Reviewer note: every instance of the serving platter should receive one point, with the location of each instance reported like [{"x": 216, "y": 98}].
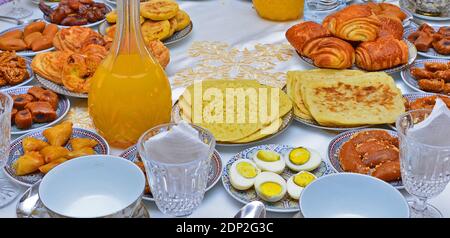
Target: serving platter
[
  {"x": 176, "y": 37},
  {"x": 338, "y": 141},
  {"x": 412, "y": 55},
  {"x": 90, "y": 25},
  {"x": 315, "y": 124},
  {"x": 61, "y": 112},
  {"x": 286, "y": 121},
  {"x": 431, "y": 53},
  {"x": 410, "y": 80},
  {"x": 26, "y": 81},
  {"x": 28, "y": 53},
  {"x": 16, "y": 150},
  {"x": 410, "y": 8},
  {"x": 59, "y": 88},
  {"x": 286, "y": 204},
  {"x": 214, "y": 174}
]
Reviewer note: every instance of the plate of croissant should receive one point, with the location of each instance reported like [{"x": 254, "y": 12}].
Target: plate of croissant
[
  {"x": 430, "y": 41},
  {"x": 36, "y": 153},
  {"x": 75, "y": 13},
  {"x": 355, "y": 37},
  {"x": 35, "y": 107},
  {"x": 428, "y": 75}
]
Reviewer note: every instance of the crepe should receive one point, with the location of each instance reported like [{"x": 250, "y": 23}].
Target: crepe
[
  {"x": 367, "y": 99},
  {"x": 296, "y": 78},
  {"x": 247, "y": 124}
]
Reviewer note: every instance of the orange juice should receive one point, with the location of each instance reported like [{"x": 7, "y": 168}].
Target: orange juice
[{"x": 129, "y": 92}]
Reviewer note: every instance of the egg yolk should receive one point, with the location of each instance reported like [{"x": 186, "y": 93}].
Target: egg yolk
[
  {"x": 270, "y": 189},
  {"x": 246, "y": 170},
  {"x": 268, "y": 156},
  {"x": 299, "y": 156},
  {"x": 303, "y": 179}
]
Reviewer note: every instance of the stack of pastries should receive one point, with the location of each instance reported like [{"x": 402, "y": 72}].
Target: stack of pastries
[
  {"x": 368, "y": 35},
  {"x": 426, "y": 37}
]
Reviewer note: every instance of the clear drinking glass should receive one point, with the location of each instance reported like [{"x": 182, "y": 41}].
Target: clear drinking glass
[
  {"x": 7, "y": 190},
  {"x": 178, "y": 188},
  {"x": 18, "y": 11},
  {"x": 425, "y": 168},
  {"x": 317, "y": 10}
]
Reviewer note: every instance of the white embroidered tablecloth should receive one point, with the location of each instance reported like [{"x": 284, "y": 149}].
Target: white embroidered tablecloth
[{"x": 230, "y": 40}]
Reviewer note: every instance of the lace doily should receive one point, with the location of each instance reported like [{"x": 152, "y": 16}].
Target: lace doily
[{"x": 217, "y": 60}]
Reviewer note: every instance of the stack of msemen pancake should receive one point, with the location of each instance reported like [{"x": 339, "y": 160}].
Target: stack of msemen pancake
[
  {"x": 235, "y": 111},
  {"x": 345, "y": 98}
]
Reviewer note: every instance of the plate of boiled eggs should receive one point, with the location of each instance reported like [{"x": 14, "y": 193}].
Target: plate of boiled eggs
[{"x": 273, "y": 174}]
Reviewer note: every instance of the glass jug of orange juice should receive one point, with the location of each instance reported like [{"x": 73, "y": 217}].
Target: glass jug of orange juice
[{"x": 129, "y": 92}]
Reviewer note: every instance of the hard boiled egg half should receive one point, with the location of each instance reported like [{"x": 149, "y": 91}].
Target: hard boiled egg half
[
  {"x": 243, "y": 173},
  {"x": 268, "y": 160},
  {"x": 303, "y": 159},
  {"x": 270, "y": 186},
  {"x": 298, "y": 182}
]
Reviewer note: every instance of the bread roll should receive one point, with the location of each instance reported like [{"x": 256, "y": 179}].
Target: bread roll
[
  {"x": 300, "y": 34},
  {"x": 354, "y": 23},
  {"x": 330, "y": 52},
  {"x": 391, "y": 26},
  {"x": 384, "y": 53}
]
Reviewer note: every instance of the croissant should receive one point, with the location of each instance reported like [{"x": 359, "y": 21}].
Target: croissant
[
  {"x": 300, "y": 34},
  {"x": 384, "y": 53},
  {"x": 390, "y": 26},
  {"x": 330, "y": 52},
  {"x": 354, "y": 23}
]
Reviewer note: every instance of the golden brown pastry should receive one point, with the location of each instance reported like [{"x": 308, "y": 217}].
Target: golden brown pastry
[
  {"x": 422, "y": 40},
  {"x": 34, "y": 27},
  {"x": 392, "y": 10},
  {"x": 160, "y": 51},
  {"x": 32, "y": 144},
  {"x": 442, "y": 45},
  {"x": 73, "y": 39},
  {"x": 80, "y": 152},
  {"x": 28, "y": 163},
  {"x": 53, "y": 152},
  {"x": 391, "y": 26},
  {"x": 50, "y": 31},
  {"x": 384, "y": 53},
  {"x": 46, "y": 168},
  {"x": 354, "y": 23},
  {"x": 80, "y": 143},
  {"x": 59, "y": 135},
  {"x": 50, "y": 65},
  {"x": 42, "y": 43},
  {"x": 21, "y": 100},
  {"x": 300, "y": 34},
  {"x": 32, "y": 37},
  {"x": 15, "y": 34},
  {"x": 12, "y": 44},
  {"x": 330, "y": 52}
]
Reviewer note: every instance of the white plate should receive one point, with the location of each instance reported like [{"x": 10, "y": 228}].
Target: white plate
[{"x": 410, "y": 80}]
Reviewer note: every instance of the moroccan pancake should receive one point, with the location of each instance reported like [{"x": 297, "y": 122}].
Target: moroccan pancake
[
  {"x": 235, "y": 110},
  {"x": 368, "y": 99},
  {"x": 295, "y": 79}
]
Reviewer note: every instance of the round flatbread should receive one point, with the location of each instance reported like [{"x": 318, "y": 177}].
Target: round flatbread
[
  {"x": 159, "y": 10},
  {"x": 183, "y": 20},
  {"x": 155, "y": 30}
]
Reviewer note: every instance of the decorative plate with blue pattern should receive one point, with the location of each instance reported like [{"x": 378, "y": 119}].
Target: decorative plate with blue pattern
[
  {"x": 16, "y": 150},
  {"x": 431, "y": 53},
  {"x": 286, "y": 204},
  {"x": 410, "y": 80},
  {"x": 61, "y": 112},
  {"x": 215, "y": 169},
  {"x": 26, "y": 81},
  {"x": 338, "y": 141}
]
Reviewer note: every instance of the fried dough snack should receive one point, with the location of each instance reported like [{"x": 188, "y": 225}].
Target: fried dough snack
[
  {"x": 372, "y": 152},
  {"x": 59, "y": 135},
  {"x": 73, "y": 39},
  {"x": 13, "y": 69},
  {"x": 428, "y": 102}
]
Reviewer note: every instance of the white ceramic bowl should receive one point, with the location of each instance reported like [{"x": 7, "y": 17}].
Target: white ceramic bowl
[
  {"x": 350, "y": 195},
  {"x": 93, "y": 186}
]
